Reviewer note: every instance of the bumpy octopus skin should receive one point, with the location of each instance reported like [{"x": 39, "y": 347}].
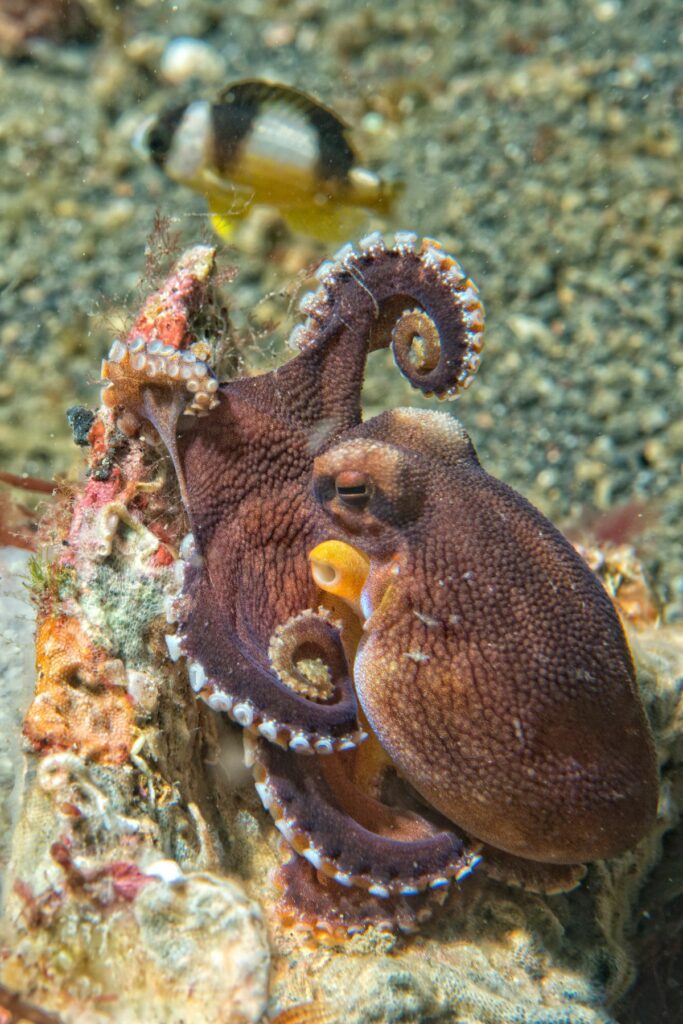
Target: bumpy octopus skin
[
  {"x": 246, "y": 468},
  {"x": 491, "y": 665}
]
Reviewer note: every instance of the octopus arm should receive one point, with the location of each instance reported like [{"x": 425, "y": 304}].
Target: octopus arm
[
  {"x": 318, "y": 822},
  {"x": 234, "y": 677},
  {"x": 311, "y": 901},
  {"x": 411, "y": 296}
]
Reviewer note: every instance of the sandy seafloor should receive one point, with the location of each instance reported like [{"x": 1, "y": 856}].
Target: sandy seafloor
[{"x": 538, "y": 141}]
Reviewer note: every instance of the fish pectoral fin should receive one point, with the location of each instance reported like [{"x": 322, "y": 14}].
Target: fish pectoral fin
[
  {"x": 329, "y": 223},
  {"x": 223, "y": 226},
  {"x": 224, "y": 218},
  {"x": 218, "y": 190}
]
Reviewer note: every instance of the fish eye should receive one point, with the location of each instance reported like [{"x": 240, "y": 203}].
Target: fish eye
[
  {"x": 159, "y": 135},
  {"x": 353, "y": 488},
  {"x": 156, "y": 140},
  {"x": 159, "y": 141}
]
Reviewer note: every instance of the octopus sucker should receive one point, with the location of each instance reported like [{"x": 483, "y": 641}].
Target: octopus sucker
[{"x": 352, "y": 585}]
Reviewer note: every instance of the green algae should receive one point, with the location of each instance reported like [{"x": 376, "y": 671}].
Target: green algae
[
  {"x": 46, "y": 578},
  {"x": 124, "y": 605}
]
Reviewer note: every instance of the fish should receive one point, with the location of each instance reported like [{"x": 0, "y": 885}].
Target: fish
[{"x": 266, "y": 144}]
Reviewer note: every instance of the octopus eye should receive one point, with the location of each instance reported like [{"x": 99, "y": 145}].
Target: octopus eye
[{"x": 353, "y": 489}]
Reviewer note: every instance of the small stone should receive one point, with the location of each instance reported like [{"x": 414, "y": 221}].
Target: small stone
[
  {"x": 278, "y": 34},
  {"x": 185, "y": 58},
  {"x": 145, "y": 48},
  {"x": 115, "y": 214},
  {"x": 607, "y": 10},
  {"x": 80, "y": 420}
]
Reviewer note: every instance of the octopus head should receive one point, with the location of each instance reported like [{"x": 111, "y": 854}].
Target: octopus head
[{"x": 492, "y": 665}]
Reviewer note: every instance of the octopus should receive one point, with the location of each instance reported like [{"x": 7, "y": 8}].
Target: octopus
[{"x": 428, "y": 676}]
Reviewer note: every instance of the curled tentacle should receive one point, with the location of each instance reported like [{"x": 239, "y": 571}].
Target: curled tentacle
[
  {"x": 350, "y": 837},
  {"x": 144, "y": 368},
  {"x": 411, "y": 295},
  {"x": 162, "y": 371},
  {"x": 306, "y": 655},
  {"x": 275, "y": 701},
  {"x": 161, "y": 356},
  {"x": 534, "y": 876},
  {"x": 416, "y": 346}
]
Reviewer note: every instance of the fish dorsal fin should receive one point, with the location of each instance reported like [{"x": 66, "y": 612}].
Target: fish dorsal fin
[
  {"x": 252, "y": 91},
  {"x": 336, "y": 154}
]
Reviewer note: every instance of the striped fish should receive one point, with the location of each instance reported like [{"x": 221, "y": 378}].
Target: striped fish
[{"x": 266, "y": 144}]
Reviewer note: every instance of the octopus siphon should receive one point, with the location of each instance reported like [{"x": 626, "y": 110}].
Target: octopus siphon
[{"x": 428, "y": 676}]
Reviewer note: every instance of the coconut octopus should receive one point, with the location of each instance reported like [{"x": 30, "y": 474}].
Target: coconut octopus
[{"x": 379, "y": 614}]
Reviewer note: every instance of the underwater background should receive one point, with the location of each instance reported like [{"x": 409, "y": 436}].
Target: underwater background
[{"x": 540, "y": 143}]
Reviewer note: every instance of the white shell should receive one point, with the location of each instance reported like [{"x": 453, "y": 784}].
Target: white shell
[
  {"x": 173, "y": 645},
  {"x": 166, "y": 871},
  {"x": 187, "y": 546}
]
